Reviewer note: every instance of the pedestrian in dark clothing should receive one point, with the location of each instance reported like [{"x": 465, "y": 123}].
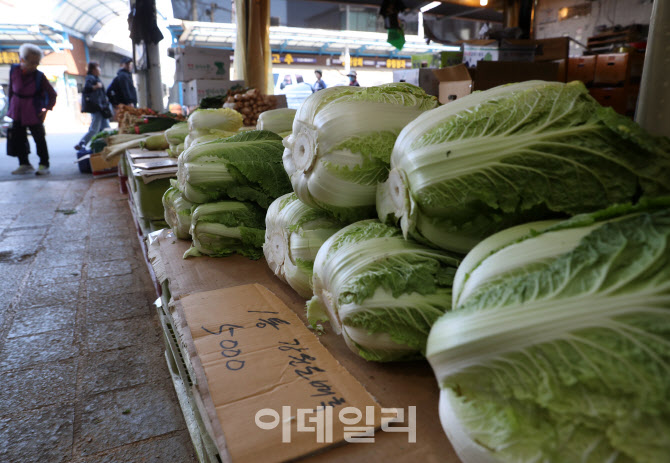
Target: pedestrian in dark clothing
[
  {"x": 30, "y": 97},
  {"x": 122, "y": 90},
  {"x": 319, "y": 84},
  {"x": 94, "y": 101},
  {"x": 352, "y": 79}
]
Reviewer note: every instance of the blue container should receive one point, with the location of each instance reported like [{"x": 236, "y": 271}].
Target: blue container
[{"x": 85, "y": 165}]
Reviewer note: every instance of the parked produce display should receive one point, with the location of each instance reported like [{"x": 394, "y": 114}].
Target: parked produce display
[
  {"x": 294, "y": 233},
  {"x": 227, "y": 227},
  {"x": 341, "y": 143},
  {"x": 557, "y": 348},
  {"x": 380, "y": 291},
  {"x": 177, "y": 211},
  {"x": 513, "y": 154},
  {"x": 246, "y": 166}
]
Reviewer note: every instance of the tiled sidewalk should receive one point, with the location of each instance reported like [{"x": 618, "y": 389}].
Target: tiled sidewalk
[{"x": 81, "y": 353}]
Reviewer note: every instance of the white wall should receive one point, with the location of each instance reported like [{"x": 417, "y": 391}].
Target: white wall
[{"x": 603, "y": 12}]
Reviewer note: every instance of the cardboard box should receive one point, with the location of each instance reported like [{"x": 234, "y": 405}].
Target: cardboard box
[
  {"x": 611, "y": 69},
  {"x": 193, "y": 63},
  {"x": 100, "y": 166},
  {"x": 455, "y": 83},
  {"x": 492, "y": 73},
  {"x": 437, "y": 60},
  {"x": 196, "y": 90},
  {"x": 424, "y": 78},
  {"x": 489, "y": 50},
  {"x": 615, "y": 97},
  {"x": 582, "y": 68},
  {"x": 545, "y": 49}
]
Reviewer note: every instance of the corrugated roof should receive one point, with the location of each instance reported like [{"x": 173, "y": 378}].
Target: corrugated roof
[{"x": 88, "y": 16}]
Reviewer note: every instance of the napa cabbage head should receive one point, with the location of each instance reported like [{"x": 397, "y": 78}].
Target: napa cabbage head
[
  {"x": 380, "y": 291},
  {"x": 246, "y": 167},
  {"x": 514, "y": 154},
  {"x": 278, "y": 121},
  {"x": 341, "y": 142},
  {"x": 294, "y": 232},
  {"x": 223, "y": 228},
  {"x": 226, "y": 119},
  {"x": 558, "y": 345},
  {"x": 177, "y": 212}
]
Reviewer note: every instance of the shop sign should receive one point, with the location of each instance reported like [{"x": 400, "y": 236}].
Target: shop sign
[
  {"x": 9, "y": 57},
  {"x": 356, "y": 61}
]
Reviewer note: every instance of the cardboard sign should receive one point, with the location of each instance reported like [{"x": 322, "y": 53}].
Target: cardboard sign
[
  {"x": 155, "y": 163},
  {"x": 278, "y": 393}
]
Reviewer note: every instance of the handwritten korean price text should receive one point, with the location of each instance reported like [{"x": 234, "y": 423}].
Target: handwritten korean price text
[
  {"x": 305, "y": 367},
  {"x": 230, "y": 347},
  {"x": 350, "y": 417}
]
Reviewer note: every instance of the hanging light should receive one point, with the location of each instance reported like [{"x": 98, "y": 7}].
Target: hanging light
[{"x": 483, "y": 2}]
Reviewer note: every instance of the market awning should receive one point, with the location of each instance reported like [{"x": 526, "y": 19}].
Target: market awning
[
  {"x": 44, "y": 35},
  {"x": 87, "y": 17},
  {"x": 297, "y": 40}
]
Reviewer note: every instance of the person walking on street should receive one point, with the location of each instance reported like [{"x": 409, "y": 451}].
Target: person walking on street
[
  {"x": 352, "y": 79},
  {"x": 94, "y": 101},
  {"x": 122, "y": 90},
  {"x": 30, "y": 97},
  {"x": 319, "y": 84}
]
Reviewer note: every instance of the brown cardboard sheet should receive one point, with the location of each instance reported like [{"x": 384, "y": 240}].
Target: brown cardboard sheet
[
  {"x": 259, "y": 358},
  {"x": 394, "y": 385}
]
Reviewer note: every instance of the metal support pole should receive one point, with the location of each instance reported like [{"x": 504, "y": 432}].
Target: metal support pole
[{"x": 154, "y": 81}]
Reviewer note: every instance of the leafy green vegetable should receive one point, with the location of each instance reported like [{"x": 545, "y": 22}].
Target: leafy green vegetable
[
  {"x": 558, "y": 346},
  {"x": 226, "y": 227},
  {"x": 177, "y": 212},
  {"x": 341, "y": 143},
  {"x": 380, "y": 291},
  {"x": 514, "y": 154},
  {"x": 276, "y": 120},
  {"x": 246, "y": 166},
  {"x": 215, "y": 119},
  {"x": 294, "y": 232},
  {"x": 177, "y": 133}
]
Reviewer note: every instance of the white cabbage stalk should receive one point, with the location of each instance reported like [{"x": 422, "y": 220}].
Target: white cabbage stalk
[
  {"x": 276, "y": 120},
  {"x": 341, "y": 142},
  {"x": 177, "y": 211},
  {"x": 225, "y": 119},
  {"x": 294, "y": 232},
  {"x": 380, "y": 291},
  {"x": 514, "y": 154},
  {"x": 558, "y": 345}
]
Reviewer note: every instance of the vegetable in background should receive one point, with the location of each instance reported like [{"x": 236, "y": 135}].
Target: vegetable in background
[
  {"x": 380, "y": 291},
  {"x": 155, "y": 143},
  {"x": 215, "y": 119},
  {"x": 341, "y": 144},
  {"x": 514, "y": 154},
  {"x": 294, "y": 232},
  {"x": 558, "y": 346},
  {"x": 276, "y": 120},
  {"x": 223, "y": 228},
  {"x": 177, "y": 211},
  {"x": 246, "y": 166},
  {"x": 177, "y": 133}
]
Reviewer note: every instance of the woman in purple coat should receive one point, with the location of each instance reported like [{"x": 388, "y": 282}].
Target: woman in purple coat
[{"x": 30, "y": 97}]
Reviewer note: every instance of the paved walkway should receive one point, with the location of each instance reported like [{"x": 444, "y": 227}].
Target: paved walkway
[{"x": 81, "y": 353}]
